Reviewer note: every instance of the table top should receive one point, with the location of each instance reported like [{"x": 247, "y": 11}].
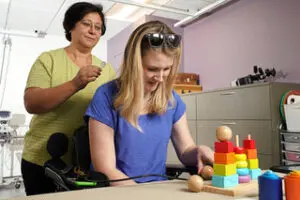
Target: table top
[{"x": 175, "y": 190}]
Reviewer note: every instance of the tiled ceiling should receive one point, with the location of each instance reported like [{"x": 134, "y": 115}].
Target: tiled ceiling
[{"x": 26, "y": 16}]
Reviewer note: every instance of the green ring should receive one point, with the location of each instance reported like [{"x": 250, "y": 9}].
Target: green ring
[{"x": 281, "y": 111}]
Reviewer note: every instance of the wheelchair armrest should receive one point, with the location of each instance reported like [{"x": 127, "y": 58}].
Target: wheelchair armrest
[
  {"x": 56, "y": 178},
  {"x": 285, "y": 168},
  {"x": 176, "y": 170},
  {"x": 60, "y": 173},
  {"x": 182, "y": 168},
  {"x": 65, "y": 176},
  {"x": 58, "y": 166}
]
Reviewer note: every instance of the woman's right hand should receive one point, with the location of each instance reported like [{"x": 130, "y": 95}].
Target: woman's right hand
[
  {"x": 42, "y": 100},
  {"x": 85, "y": 75}
]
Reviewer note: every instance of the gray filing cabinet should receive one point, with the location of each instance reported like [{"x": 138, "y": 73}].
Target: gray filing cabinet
[{"x": 251, "y": 109}]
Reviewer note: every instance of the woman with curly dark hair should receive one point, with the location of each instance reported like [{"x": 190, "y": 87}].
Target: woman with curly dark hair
[{"x": 59, "y": 88}]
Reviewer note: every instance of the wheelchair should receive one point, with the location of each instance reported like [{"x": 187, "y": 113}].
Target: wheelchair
[{"x": 78, "y": 175}]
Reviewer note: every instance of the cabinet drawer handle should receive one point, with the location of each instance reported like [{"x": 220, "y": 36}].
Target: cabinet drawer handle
[
  {"x": 296, "y": 138},
  {"x": 228, "y": 123},
  {"x": 228, "y": 93},
  {"x": 297, "y": 157}
]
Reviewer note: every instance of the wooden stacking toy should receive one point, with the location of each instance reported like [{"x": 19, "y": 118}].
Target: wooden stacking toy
[
  {"x": 251, "y": 152},
  {"x": 233, "y": 169},
  {"x": 241, "y": 163},
  {"x": 224, "y": 160}
]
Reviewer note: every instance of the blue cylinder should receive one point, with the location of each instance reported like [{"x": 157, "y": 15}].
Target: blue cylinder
[{"x": 270, "y": 186}]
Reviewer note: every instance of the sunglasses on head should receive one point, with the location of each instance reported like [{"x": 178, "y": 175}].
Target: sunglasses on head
[{"x": 156, "y": 40}]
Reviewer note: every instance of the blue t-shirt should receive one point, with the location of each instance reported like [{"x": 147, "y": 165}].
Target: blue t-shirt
[{"x": 137, "y": 153}]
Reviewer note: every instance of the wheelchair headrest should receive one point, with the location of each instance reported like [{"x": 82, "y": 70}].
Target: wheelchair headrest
[
  {"x": 81, "y": 148},
  {"x": 57, "y": 145}
]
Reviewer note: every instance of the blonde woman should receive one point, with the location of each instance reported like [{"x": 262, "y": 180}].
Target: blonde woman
[{"x": 132, "y": 118}]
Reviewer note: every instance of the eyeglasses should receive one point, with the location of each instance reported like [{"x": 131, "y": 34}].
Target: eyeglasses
[
  {"x": 90, "y": 24},
  {"x": 156, "y": 40}
]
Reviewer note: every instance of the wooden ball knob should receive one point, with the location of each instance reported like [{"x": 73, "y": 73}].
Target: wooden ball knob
[
  {"x": 195, "y": 183},
  {"x": 223, "y": 133},
  {"x": 207, "y": 172}
]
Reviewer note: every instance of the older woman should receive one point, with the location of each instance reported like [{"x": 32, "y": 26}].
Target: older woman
[{"x": 60, "y": 85}]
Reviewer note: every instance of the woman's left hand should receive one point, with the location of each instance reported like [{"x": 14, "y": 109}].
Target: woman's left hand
[{"x": 205, "y": 155}]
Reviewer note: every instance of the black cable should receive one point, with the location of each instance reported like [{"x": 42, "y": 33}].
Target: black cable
[{"x": 136, "y": 177}]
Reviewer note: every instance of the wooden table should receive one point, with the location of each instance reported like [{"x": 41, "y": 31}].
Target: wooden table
[{"x": 173, "y": 190}]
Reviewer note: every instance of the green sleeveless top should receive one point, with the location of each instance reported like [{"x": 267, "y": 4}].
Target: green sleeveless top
[{"x": 51, "y": 69}]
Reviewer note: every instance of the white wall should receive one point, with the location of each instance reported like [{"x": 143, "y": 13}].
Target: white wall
[{"x": 24, "y": 51}]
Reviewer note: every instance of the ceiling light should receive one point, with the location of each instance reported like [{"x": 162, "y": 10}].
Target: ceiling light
[{"x": 124, "y": 12}]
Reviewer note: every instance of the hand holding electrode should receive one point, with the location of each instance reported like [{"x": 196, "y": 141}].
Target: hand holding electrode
[{"x": 86, "y": 75}]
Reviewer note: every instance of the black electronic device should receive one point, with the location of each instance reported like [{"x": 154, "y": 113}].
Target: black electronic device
[
  {"x": 260, "y": 75},
  {"x": 286, "y": 168}
]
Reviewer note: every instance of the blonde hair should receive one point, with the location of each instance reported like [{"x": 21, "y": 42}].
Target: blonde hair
[{"x": 130, "y": 98}]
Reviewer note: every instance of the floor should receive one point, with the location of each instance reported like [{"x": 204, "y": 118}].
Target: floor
[{"x": 8, "y": 190}]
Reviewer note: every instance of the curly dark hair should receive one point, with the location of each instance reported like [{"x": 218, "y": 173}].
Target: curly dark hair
[{"x": 77, "y": 11}]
